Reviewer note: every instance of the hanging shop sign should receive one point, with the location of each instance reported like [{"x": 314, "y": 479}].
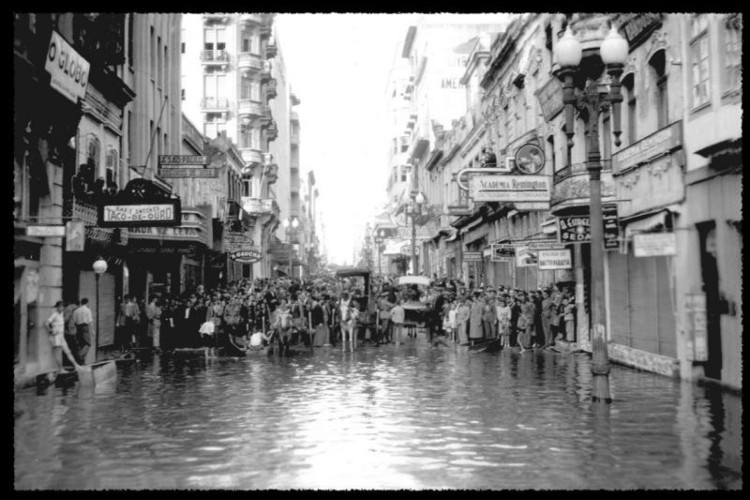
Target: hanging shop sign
[
  {"x": 526, "y": 257},
  {"x": 247, "y": 256},
  {"x": 46, "y": 231},
  {"x": 69, "y": 72},
  {"x": 577, "y": 228},
  {"x": 503, "y": 253},
  {"x": 171, "y": 161},
  {"x": 406, "y": 250},
  {"x": 164, "y": 213},
  {"x": 459, "y": 210},
  {"x": 654, "y": 244},
  {"x": 660, "y": 142},
  {"x": 697, "y": 345},
  {"x": 555, "y": 259},
  {"x": 75, "y": 236},
  {"x": 529, "y": 159},
  {"x": 511, "y": 188},
  {"x": 472, "y": 256},
  {"x": 532, "y": 206},
  {"x": 550, "y": 98},
  {"x": 172, "y": 173},
  {"x": 545, "y": 245},
  {"x": 257, "y": 206}
]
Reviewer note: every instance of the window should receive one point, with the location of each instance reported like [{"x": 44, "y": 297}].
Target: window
[
  {"x": 213, "y": 127},
  {"x": 606, "y": 136},
  {"x": 214, "y": 40},
  {"x": 130, "y": 20},
  {"x": 247, "y": 187},
  {"x": 551, "y": 151},
  {"x": 182, "y": 48},
  {"x": 215, "y": 90},
  {"x": 152, "y": 56},
  {"x": 658, "y": 73},
  {"x": 182, "y": 94},
  {"x": 732, "y": 52},
  {"x": 159, "y": 63},
  {"x": 111, "y": 164},
  {"x": 93, "y": 152},
  {"x": 701, "y": 82},
  {"x": 246, "y": 134},
  {"x": 628, "y": 83}
]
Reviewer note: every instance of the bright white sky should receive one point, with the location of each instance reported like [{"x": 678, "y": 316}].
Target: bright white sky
[{"x": 338, "y": 66}]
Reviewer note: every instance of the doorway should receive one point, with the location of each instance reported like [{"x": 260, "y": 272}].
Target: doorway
[{"x": 710, "y": 278}]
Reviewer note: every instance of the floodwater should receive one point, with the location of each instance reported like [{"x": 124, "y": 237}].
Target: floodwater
[{"x": 412, "y": 417}]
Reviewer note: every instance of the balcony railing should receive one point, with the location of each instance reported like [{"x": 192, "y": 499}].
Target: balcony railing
[
  {"x": 578, "y": 169},
  {"x": 216, "y": 17},
  {"x": 251, "y": 18},
  {"x": 250, "y": 155},
  {"x": 214, "y": 57},
  {"x": 571, "y": 185},
  {"x": 248, "y": 61},
  {"x": 271, "y": 89},
  {"x": 271, "y": 50},
  {"x": 215, "y": 103},
  {"x": 250, "y": 108}
]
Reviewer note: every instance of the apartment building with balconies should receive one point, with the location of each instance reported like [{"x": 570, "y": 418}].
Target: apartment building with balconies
[{"x": 231, "y": 86}]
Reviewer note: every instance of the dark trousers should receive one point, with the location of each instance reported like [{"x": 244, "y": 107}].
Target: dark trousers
[
  {"x": 83, "y": 339},
  {"x": 73, "y": 345}
]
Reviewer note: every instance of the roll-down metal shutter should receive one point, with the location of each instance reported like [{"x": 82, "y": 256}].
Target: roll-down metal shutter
[{"x": 619, "y": 302}]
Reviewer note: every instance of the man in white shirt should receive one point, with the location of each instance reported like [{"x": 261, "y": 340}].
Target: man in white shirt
[{"x": 83, "y": 319}]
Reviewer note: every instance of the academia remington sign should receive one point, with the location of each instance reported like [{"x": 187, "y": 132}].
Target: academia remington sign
[{"x": 510, "y": 188}]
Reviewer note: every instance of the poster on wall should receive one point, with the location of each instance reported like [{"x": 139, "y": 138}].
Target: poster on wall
[
  {"x": 654, "y": 244},
  {"x": 526, "y": 257},
  {"x": 75, "y": 236},
  {"x": 555, "y": 259}
]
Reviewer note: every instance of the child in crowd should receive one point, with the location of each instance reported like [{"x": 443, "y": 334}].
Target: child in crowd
[
  {"x": 397, "y": 317},
  {"x": 503, "y": 322}
]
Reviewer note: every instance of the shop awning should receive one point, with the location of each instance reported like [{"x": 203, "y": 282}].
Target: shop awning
[
  {"x": 549, "y": 227},
  {"x": 394, "y": 248},
  {"x": 647, "y": 223}
]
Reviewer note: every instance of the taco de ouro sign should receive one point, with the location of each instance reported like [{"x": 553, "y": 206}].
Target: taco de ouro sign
[{"x": 166, "y": 213}]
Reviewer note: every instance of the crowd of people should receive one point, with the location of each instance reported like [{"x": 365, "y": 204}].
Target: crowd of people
[{"x": 325, "y": 311}]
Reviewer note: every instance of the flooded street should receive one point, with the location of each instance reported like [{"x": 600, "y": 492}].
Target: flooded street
[{"x": 415, "y": 417}]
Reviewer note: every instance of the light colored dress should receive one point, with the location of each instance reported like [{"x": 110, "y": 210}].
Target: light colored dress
[
  {"x": 56, "y": 325},
  {"x": 475, "y": 321}
]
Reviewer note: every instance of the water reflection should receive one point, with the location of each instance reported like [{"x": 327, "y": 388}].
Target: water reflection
[{"x": 413, "y": 417}]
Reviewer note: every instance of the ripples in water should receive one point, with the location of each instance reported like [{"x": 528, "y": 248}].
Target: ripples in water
[{"x": 388, "y": 418}]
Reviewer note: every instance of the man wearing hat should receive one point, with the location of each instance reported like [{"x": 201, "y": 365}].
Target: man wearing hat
[{"x": 386, "y": 302}]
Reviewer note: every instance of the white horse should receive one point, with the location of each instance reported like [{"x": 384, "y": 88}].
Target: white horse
[{"x": 349, "y": 316}]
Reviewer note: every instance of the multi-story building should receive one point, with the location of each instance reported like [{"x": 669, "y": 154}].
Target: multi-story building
[
  {"x": 674, "y": 180},
  {"x": 231, "y": 86},
  {"x": 425, "y": 96}
]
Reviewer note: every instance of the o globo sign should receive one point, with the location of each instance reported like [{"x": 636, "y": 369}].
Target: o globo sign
[{"x": 68, "y": 70}]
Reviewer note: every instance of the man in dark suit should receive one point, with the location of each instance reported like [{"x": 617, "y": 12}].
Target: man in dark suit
[{"x": 187, "y": 323}]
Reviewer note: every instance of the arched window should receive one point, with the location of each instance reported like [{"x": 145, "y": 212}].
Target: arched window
[
  {"x": 659, "y": 77},
  {"x": 628, "y": 85}
]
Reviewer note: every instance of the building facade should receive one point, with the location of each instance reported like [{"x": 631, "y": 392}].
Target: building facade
[
  {"x": 670, "y": 188},
  {"x": 232, "y": 87}
]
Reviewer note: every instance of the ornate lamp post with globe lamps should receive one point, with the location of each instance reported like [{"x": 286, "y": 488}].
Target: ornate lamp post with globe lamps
[
  {"x": 379, "y": 237},
  {"x": 289, "y": 226},
  {"x": 417, "y": 200},
  {"x": 584, "y": 90},
  {"x": 100, "y": 267}
]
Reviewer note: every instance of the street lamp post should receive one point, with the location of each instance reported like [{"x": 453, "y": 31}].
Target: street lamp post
[
  {"x": 379, "y": 243},
  {"x": 289, "y": 225},
  {"x": 417, "y": 199},
  {"x": 581, "y": 69},
  {"x": 100, "y": 267}
]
